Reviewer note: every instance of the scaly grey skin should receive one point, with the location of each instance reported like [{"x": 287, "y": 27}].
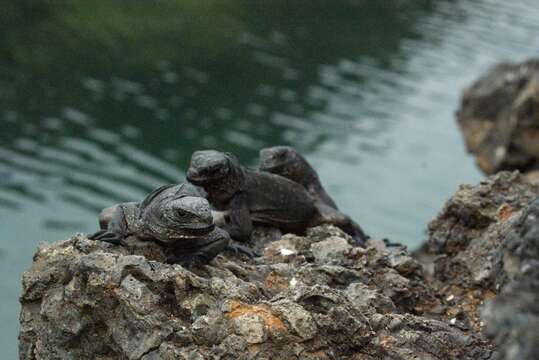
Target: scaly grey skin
[
  {"x": 287, "y": 162},
  {"x": 174, "y": 216},
  {"x": 251, "y": 197}
]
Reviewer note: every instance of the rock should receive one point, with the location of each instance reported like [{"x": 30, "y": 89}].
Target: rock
[
  {"x": 321, "y": 299},
  {"x": 307, "y": 297},
  {"x": 466, "y": 243},
  {"x": 532, "y": 177},
  {"x": 513, "y": 317},
  {"x": 467, "y": 233},
  {"x": 332, "y": 249},
  {"x": 486, "y": 241},
  {"x": 251, "y": 327},
  {"x": 369, "y": 299},
  {"x": 499, "y": 118}
]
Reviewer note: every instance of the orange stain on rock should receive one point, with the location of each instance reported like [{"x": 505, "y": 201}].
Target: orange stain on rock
[
  {"x": 505, "y": 212},
  {"x": 263, "y": 311},
  {"x": 318, "y": 355},
  {"x": 254, "y": 348},
  {"x": 276, "y": 282}
]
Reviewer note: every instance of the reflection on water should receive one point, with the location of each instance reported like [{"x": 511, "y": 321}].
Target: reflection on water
[
  {"x": 113, "y": 126},
  {"x": 101, "y": 103}
]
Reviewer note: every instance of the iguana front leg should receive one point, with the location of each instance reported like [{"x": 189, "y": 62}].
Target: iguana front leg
[
  {"x": 116, "y": 229},
  {"x": 105, "y": 217},
  {"x": 220, "y": 240},
  {"x": 107, "y": 236},
  {"x": 237, "y": 249},
  {"x": 240, "y": 225}
]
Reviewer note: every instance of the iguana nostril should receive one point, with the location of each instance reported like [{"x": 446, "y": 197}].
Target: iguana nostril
[{"x": 191, "y": 173}]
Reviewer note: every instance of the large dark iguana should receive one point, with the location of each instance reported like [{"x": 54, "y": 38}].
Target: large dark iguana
[
  {"x": 256, "y": 197},
  {"x": 289, "y": 163},
  {"x": 175, "y": 216}
]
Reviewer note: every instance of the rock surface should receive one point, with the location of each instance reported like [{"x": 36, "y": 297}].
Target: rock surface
[
  {"x": 306, "y": 297},
  {"x": 513, "y": 317},
  {"x": 486, "y": 241},
  {"x": 499, "y": 117},
  {"x": 466, "y": 243},
  {"x": 468, "y": 232}
]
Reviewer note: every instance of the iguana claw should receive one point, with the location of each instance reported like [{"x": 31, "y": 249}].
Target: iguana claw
[
  {"x": 107, "y": 236},
  {"x": 237, "y": 249}
]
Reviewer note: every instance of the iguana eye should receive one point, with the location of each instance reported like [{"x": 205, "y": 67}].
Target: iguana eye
[
  {"x": 214, "y": 169},
  {"x": 181, "y": 213}
]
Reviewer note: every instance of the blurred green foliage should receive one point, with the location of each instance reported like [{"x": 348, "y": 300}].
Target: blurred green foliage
[
  {"x": 48, "y": 35},
  {"x": 44, "y": 34}
]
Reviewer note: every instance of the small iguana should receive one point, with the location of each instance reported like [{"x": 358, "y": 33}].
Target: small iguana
[
  {"x": 256, "y": 197},
  {"x": 287, "y": 162},
  {"x": 175, "y": 216}
]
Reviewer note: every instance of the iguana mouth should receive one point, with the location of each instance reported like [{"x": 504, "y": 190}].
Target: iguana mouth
[
  {"x": 275, "y": 164},
  {"x": 198, "y": 179},
  {"x": 195, "y": 230},
  {"x": 272, "y": 168}
]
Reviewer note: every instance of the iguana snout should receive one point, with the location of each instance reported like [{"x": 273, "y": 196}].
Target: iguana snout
[
  {"x": 207, "y": 166},
  {"x": 189, "y": 213},
  {"x": 275, "y": 158}
]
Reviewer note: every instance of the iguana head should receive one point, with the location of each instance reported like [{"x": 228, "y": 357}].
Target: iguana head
[
  {"x": 285, "y": 161},
  {"x": 210, "y": 166},
  {"x": 179, "y": 217}
]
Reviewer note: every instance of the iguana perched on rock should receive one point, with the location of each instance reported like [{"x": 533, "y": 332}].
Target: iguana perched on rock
[
  {"x": 175, "y": 216},
  {"x": 287, "y": 162},
  {"x": 256, "y": 197}
]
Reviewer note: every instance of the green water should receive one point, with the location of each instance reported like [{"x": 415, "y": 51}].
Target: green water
[{"x": 102, "y": 101}]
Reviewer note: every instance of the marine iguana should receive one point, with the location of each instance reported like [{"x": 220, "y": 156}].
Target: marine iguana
[
  {"x": 287, "y": 162},
  {"x": 256, "y": 197},
  {"x": 175, "y": 216}
]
